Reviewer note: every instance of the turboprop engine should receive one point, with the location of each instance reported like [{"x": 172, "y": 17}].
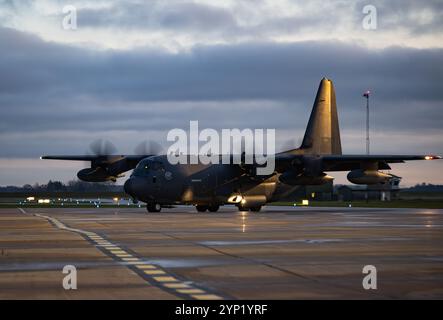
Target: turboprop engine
[
  {"x": 97, "y": 174},
  {"x": 361, "y": 176}
]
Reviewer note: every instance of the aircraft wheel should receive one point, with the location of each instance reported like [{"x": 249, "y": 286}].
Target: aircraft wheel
[
  {"x": 201, "y": 208},
  {"x": 255, "y": 209},
  {"x": 213, "y": 208},
  {"x": 241, "y": 208},
  {"x": 153, "y": 207}
]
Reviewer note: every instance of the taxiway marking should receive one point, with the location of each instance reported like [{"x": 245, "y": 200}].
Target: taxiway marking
[{"x": 153, "y": 274}]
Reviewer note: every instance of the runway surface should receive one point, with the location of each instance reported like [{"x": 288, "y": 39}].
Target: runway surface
[{"x": 279, "y": 253}]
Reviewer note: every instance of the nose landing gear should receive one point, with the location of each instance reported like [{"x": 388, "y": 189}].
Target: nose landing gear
[
  {"x": 153, "y": 207},
  {"x": 253, "y": 209}
]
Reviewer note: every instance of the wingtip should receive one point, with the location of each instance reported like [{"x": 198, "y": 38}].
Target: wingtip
[{"x": 432, "y": 157}]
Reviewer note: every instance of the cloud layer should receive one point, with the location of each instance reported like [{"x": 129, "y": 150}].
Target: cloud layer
[{"x": 242, "y": 64}]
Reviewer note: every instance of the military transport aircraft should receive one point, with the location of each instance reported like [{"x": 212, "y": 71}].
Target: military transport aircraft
[{"x": 207, "y": 186}]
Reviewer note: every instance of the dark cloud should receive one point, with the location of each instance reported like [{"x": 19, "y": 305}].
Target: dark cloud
[
  {"x": 63, "y": 90},
  {"x": 158, "y": 15},
  {"x": 415, "y": 17}
]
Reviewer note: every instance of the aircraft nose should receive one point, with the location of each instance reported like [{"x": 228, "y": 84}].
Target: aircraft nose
[
  {"x": 136, "y": 187},
  {"x": 129, "y": 187}
]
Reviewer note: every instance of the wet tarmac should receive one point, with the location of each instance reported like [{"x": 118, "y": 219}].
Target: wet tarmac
[{"x": 279, "y": 253}]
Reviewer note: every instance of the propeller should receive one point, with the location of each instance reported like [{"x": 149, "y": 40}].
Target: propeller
[
  {"x": 148, "y": 147},
  {"x": 102, "y": 147}
]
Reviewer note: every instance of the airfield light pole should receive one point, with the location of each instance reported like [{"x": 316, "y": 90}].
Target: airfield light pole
[{"x": 366, "y": 95}]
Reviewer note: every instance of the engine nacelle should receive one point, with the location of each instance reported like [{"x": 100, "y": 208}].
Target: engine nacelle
[
  {"x": 94, "y": 175},
  {"x": 293, "y": 179},
  {"x": 360, "y": 176}
]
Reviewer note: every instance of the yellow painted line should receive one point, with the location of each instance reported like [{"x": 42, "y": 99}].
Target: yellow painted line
[
  {"x": 165, "y": 279},
  {"x": 117, "y": 251},
  {"x": 151, "y": 272},
  {"x": 176, "y": 285},
  {"x": 147, "y": 266},
  {"x": 136, "y": 262},
  {"x": 190, "y": 291},
  {"x": 207, "y": 297},
  {"x": 131, "y": 259}
]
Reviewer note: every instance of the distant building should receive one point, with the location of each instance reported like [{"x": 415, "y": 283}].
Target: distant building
[{"x": 384, "y": 192}]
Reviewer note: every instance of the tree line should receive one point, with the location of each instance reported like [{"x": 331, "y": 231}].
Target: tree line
[{"x": 70, "y": 186}]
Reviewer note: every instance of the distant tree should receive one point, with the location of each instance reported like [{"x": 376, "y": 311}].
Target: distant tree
[{"x": 55, "y": 186}]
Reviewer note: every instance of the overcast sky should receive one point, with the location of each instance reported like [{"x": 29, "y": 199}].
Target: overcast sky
[{"x": 132, "y": 70}]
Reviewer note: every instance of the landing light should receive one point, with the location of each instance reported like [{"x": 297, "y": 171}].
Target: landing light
[{"x": 235, "y": 199}]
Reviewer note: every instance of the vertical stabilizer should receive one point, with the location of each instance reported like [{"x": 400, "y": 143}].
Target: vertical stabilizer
[{"x": 322, "y": 135}]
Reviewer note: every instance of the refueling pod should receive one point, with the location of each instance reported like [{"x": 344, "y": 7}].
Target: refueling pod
[{"x": 361, "y": 176}]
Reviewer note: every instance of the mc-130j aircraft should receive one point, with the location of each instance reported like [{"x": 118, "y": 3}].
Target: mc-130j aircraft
[{"x": 207, "y": 186}]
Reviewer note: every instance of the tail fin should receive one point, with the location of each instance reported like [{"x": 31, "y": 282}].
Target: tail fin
[{"x": 322, "y": 135}]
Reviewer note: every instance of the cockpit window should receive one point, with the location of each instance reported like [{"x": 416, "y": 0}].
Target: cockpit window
[{"x": 145, "y": 166}]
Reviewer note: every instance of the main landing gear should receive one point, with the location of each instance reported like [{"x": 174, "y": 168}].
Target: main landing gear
[
  {"x": 210, "y": 208},
  {"x": 253, "y": 209},
  {"x": 153, "y": 207}
]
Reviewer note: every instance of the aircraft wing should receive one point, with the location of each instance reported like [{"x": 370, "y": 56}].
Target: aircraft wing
[
  {"x": 103, "y": 167},
  {"x": 94, "y": 157},
  {"x": 351, "y": 162},
  {"x": 71, "y": 158},
  {"x": 344, "y": 162}
]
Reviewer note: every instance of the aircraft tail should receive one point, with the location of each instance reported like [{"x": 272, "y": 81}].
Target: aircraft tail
[{"x": 322, "y": 136}]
